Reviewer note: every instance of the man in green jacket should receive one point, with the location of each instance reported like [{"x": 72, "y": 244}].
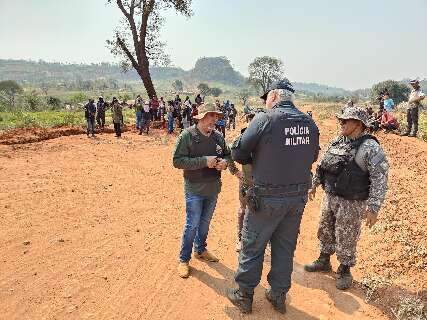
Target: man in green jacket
[{"x": 202, "y": 153}]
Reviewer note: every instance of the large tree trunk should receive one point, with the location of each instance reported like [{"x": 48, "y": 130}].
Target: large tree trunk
[{"x": 144, "y": 73}]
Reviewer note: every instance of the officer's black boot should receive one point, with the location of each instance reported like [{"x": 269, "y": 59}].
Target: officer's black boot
[
  {"x": 322, "y": 264},
  {"x": 240, "y": 299},
  {"x": 276, "y": 300},
  {"x": 344, "y": 277}
]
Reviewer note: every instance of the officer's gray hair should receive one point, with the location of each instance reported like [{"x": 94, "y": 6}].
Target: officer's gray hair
[{"x": 285, "y": 95}]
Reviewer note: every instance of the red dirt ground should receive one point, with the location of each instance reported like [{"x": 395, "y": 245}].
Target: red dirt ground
[{"x": 91, "y": 228}]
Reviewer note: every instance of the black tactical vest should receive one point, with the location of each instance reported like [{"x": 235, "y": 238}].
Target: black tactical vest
[
  {"x": 339, "y": 173},
  {"x": 287, "y": 148},
  {"x": 204, "y": 146}
]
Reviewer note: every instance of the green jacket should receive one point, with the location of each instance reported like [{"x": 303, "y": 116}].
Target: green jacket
[{"x": 182, "y": 159}]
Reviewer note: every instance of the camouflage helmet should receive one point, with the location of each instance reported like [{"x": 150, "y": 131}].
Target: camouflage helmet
[{"x": 355, "y": 113}]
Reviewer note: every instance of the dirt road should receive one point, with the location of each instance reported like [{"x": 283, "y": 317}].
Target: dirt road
[{"x": 90, "y": 229}]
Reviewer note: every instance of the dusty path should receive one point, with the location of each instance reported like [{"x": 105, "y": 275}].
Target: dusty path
[{"x": 90, "y": 229}]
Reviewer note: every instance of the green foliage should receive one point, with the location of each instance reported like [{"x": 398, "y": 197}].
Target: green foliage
[
  {"x": 265, "y": 70},
  {"x": 203, "y": 89},
  {"x": 10, "y": 89},
  {"x": 53, "y": 102},
  {"x": 178, "y": 85},
  {"x": 216, "y": 92},
  {"x": 244, "y": 95},
  {"x": 78, "y": 97},
  {"x": 399, "y": 92},
  {"x": 31, "y": 101}
]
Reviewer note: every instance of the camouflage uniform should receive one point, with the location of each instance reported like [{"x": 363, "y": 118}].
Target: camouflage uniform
[{"x": 340, "y": 222}]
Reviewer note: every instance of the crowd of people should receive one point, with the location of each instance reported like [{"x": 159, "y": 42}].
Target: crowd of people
[
  {"x": 173, "y": 115},
  {"x": 385, "y": 118}
]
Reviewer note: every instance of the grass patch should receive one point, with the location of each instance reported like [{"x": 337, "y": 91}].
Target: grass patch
[{"x": 410, "y": 308}]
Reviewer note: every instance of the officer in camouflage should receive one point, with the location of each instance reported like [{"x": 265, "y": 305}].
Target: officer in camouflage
[
  {"x": 353, "y": 172},
  {"x": 281, "y": 144}
]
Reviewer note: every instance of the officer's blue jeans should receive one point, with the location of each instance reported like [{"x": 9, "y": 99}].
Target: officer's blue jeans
[
  {"x": 199, "y": 211},
  {"x": 138, "y": 119},
  {"x": 277, "y": 220}
]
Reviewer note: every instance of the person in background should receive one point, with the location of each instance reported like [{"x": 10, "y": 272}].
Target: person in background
[
  {"x": 194, "y": 112},
  {"x": 388, "y": 102},
  {"x": 198, "y": 99},
  {"x": 162, "y": 112},
  {"x": 170, "y": 111},
  {"x": 186, "y": 113},
  {"x": 414, "y": 104},
  {"x": 154, "y": 108},
  {"x": 388, "y": 122},
  {"x": 90, "y": 112},
  {"x": 146, "y": 118},
  {"x": 139, "y": 105},
  {"x": 232, "y": 115},
  {"x": 101, "y": 106},
  {"x": 117, "y": 115}
]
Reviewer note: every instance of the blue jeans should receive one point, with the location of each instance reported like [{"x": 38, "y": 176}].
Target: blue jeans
[
  {"x": 277, "y": 220},
  {"x": 138, "y": 119},
  {"x": 199, "y": 211},
  {"x": 170, "y": 124}
]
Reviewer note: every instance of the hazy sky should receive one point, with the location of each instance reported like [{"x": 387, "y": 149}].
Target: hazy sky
[{"x": 350, "y": 44}]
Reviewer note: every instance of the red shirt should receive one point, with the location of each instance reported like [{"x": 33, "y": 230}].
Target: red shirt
[{"x": 388, "y": 118}]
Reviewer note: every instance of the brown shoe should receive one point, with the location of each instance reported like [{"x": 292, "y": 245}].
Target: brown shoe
[
  {"x": 184, "y": 269},
  {"x": 206, "y": 255}
]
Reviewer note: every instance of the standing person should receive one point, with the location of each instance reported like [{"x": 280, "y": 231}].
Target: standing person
[
  {"x": 170, "y": 110},
  {"x": 353, "y": 172},
  {"x": 245, "y": 182},
  {"x": 177, "y": 99},
  {"x": 232, "y": 115},
  {"x": 414, "y": 104},
  {"x": 186, "y": 113},
  {"x": 146, "y": 118},
  {"x": 154, "y": 108},
  {"x": 117, "y": 115},
  {"x": 198, "y": 100},
  {"x": 281, "y": 143},
  {"x": 162, "y": 112},
  {"x": 100, "y": 112},
  {"x": 90, "y": 112},
  {"x": 139, "y": 105},
  {"x": 202, "y": 153},
  {"x": 246, "y": 112},
  {"x": 194, "y": 112}
]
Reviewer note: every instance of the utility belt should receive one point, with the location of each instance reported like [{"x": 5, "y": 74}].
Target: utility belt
[{"x": 256, "y": 192}]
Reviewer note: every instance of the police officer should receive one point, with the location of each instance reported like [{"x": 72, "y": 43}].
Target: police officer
[
  {"x": 414, "y": 104},
  {"x": 90, "y": 111},
  {"x": 353, "y": 172},
  {"x": 281, "y": 143}
]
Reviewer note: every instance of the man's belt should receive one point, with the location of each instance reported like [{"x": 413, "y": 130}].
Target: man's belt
[{"x": 288, "y": 190}]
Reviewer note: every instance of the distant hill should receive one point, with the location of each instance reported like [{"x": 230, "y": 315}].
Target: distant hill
[{"x": 216, "y": 70}]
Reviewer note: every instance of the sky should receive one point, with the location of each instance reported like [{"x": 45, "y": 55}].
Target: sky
[{"x": 347, "y": 44}]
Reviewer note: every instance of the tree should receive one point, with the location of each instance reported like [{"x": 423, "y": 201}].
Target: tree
[
  {"x": 399, "y": 92},
  {"x": 216, "y": 92},
  {"x": 244, "y": 95},
  {"x": 137, "y": 39},
  {"x": 10, "y": 89},
  {"x": 204, "y": 89},
  {"x": 265, "y": 70},
  {"x": 178, "y": 85}
]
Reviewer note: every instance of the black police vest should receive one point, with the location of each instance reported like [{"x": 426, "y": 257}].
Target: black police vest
[
  {"x": 204, "y": 146},
  {"x": 287, "y": 148},
  {"x": 340, "y": 175}
]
